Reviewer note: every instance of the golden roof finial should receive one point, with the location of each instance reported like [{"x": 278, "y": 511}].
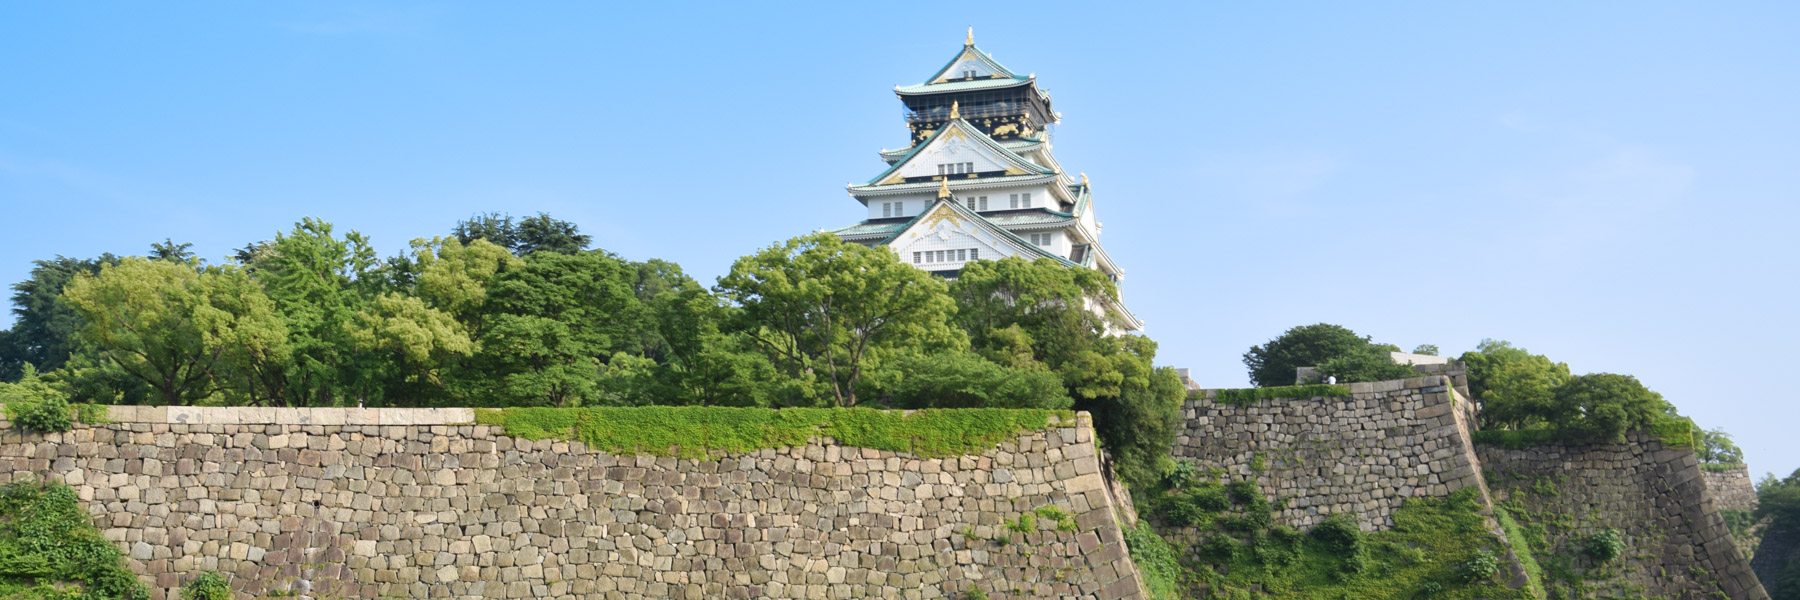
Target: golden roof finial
[
  {"x": 954, "y": 113},
  {"x": 944, "y": 189},
  {"x": 1084, "y": 179},
  {"x": 971, "y": 40}
]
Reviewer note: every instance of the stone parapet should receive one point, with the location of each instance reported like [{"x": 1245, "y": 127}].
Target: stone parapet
[{"x": 419, "y": 503}]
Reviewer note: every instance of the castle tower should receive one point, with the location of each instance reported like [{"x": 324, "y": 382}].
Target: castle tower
[{"x": 978, "y": 181}]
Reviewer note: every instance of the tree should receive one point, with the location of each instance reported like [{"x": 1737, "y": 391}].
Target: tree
[
  {"x": 170, "y": 251},
  {"x": 1601, "y": 407},
  {"x": 1515, "y": 388},
  {"x": 531, "y": 234},
  {"x": 541, "y": 233},
  {"x": 1371, "y": 362},
  {"x": 1011, "y": 306},
  {"x": 549, "y": 328},
  {"x": 318, "y": 283},
  {"x": 171, "y": 326},
  {"x": 820, "y": 306},
  {"x": 1778, "y": 501},
  {"x": 1041, "y": 315},
  {"x": 966, "y": 380},
  {"x": 1426, "y": 349},
  {"x": 1716, "y": 447},
  {"x": 44, "y": 327},
  {"x": 1274, "y": 363}
]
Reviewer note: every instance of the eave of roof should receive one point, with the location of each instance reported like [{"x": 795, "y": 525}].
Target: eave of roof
[
  {"x": 968, "y": 129},
  {"x": 994, "y": 83},
  {"x": 955, "y": 184}
]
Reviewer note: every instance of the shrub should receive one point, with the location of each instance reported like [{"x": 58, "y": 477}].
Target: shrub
[
  {"x": 1605, "y": 545},
  {"x": 48, "y": 542},
  {"x": 1340, "y": 533},
  {"x": 1481, "y": 568},
  {"x": 1430, "y": 588},
  {"x": 1180, "y": 474},
  {"x": 1245, "y": 492},
  {"x": 1212, "y": 498},
  {"x": 33, "y": 404},
  {"x": 208, "y": 586},
  {"x": 975, "y": 593},
  {"x": 1220, "y": 548}
]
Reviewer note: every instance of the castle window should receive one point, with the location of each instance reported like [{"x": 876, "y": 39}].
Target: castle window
[
  {"x": 962, "y": 255},
  {"x": 1025, "y": 200},
  {"x": 887, "y": 209},
  {"x": 983, "y": 203},
  {"x": 974, "y": 254},
  {"x": 1040, "y": 239},
  {"x": 916, "y": 258},
  {"x": 969, "y": 74},
  {"x": 1015, "y": 201}
]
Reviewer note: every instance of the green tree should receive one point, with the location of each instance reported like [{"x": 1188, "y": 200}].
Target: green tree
[
  {"x": 319, "y": 283},
  {"x": 1372, "y": 362},
  {"x": 1716, "y": 447},
  {"x": 550, "y": 327},
  {"x": 1778, "y": 501},
  {"x": 1426, "y": 349},
  {"x": 1515, "y": 388},
  {"x": 1274, "y": 363},
  {"x": 1040, "y": 315},
  {"x": 170, "y": 251},
  {"x": 819, "y": 306},
  {"x": 1601, "y": 407},
  {"x": 171, "y": 326},
  {"x": 966, "y": 380},
  {"x": 540, "y": 232},
  {"x": 44, "y": 327}
]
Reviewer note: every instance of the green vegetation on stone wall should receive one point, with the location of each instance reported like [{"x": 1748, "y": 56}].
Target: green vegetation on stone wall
[
  {"x": 1438, "y": 548},
  {"x": 1335, "y": 350},
  {"x": 696, "y": 432},
  {"x": 50, "y": 550}
]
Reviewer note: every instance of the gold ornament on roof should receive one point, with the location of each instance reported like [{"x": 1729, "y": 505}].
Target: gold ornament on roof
[
  {"x": 971, "y": 40},
  {"x": 944, "y": 188},
  {"x": 953, "y": 111},
  {"x": 1084, "y": 179}
]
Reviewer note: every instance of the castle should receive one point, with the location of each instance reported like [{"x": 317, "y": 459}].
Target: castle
[{"x": 978, "y": 181}]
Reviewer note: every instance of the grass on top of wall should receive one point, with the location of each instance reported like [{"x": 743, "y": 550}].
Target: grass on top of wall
[
  {"x": 698, "y": 431},
  {"x": 1241, "y": 397}
]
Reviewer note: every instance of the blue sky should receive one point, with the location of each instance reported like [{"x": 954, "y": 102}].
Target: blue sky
[{"x": 1611, "y": 184}]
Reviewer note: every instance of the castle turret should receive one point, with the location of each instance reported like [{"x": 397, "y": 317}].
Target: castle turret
[{"x": 978, "y": 181}]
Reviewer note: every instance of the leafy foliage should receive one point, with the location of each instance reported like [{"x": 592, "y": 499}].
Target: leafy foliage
[
  {"x": 1515, "y": 388},
  {"x": 35, "y": 405},
  {"x": 49, "y": 548},
  {"x": 1335, "y": 350},
  {"x": 44, "y": 327},
  {"x": 536, "y": 233},
  {"x": 821, "y": 307},
  {"x": 1717, "y": 448},
  {"x": 1605, "y": 545},
  {"x": 208, "y": 586}
]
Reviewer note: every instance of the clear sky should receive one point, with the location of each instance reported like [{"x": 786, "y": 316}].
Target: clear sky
[{"x": 1611, "y": 184}]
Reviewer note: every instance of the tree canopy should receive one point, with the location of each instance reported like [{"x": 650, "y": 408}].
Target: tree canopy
[{"x": 1334, "y": 349}]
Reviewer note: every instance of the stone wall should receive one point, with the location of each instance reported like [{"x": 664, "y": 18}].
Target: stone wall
[
  {"x": 1731, "y": 487},
  {"x": 1361, "y": 454},
  {"x": 1676, "y": 544},
  {"x": 418, "y": 503}
]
